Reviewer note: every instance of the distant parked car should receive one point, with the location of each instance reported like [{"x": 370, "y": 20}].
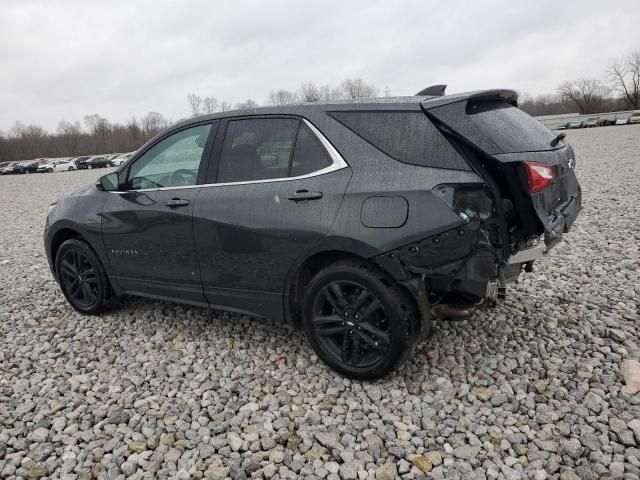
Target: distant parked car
[
  {"x": 605, "y": 122},
  {"x": 576, "y": 125},
  {"x": 591, "y": 122},
  {"x": 56, "y": 165},
  {"x": 29, "y": 166},
  {"x": 97, "y": 162},
  {"x": 120, "y": 159},
  {"x": 10, "y": 168},
  {"x": 622, "y": 121},
  {"x": 563, "y": 126},
  {"x": 80, "y": 161},
  {"x": 88, "y": 162},
  {"x": 634, "y": 118}
]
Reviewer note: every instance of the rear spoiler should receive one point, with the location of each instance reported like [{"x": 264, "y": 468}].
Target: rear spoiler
[{"x": 503, "y": 95}]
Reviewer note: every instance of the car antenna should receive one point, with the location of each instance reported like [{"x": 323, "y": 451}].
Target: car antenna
[{"x": 433, "y": 91}]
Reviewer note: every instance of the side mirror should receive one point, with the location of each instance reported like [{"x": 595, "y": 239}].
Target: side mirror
[{"x": 108, "y": 183}]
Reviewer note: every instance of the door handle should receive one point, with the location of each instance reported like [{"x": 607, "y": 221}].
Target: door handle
[
  {"x": 177, "y": 202},
  {"x": 304, "y": 195}
]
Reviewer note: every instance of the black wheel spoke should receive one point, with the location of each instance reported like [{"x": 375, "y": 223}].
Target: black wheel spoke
[
  {"x": 359, "y": 303},
  {"x": 67, "y": 268},
  {"x": 329, "y": 325},
  {"x": 372, "y": 342},
  {"x": 90, "y": 276},
  {"x": 336, "y": 288},
  {"x": 355, "y": 350},
  {"x": 346, "y": 340},
  {"x": 87, "y": 292},
  {"x": 76, "y": 260},
  {"x": 332, "y": 301},
  {"x": 378, "y": 334},
  {"x": 74, "y": 287},
  {"x": 371, "y": 309}
]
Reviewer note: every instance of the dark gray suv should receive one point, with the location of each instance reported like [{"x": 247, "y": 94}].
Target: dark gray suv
[{"x": 354, "y": 221}]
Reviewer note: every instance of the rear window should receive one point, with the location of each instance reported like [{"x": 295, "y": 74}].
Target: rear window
[
  {"x": 509, "y": 128},
  {"x": 408, "y": 137}
]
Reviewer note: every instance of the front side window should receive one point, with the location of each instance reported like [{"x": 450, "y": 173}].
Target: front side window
[
  {"x": 172, "y": 162},
  {"x": 257, "y": 149}
]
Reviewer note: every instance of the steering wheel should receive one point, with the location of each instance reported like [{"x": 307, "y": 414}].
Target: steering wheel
[{"x": 182, "y": 177}]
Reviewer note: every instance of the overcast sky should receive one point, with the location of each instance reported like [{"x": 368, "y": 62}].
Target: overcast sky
[{"x": 66, "y": 59}]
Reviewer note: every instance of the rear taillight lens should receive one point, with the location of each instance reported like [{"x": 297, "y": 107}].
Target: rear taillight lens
[{"x": 539, "y": 175}]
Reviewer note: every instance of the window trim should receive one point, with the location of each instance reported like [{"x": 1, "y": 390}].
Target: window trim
[{"x": 337, "y": 163}]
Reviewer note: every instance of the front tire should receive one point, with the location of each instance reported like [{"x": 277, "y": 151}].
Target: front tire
[
  {"x": 50, "y": 170},
  {"x": 82, "y": 278},
  {"x": 357, "y": 321}
]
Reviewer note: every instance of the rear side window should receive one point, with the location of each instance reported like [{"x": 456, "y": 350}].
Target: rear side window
[
  {"x": 408, "y": 137},
  {"x": 310, "y": 155},
  {"x": 257, "y": 149},
  {"x": 509, "y": 128}
]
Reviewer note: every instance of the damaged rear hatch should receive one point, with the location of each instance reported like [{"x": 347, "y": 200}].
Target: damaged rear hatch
[{"x": 533, "y": 163}]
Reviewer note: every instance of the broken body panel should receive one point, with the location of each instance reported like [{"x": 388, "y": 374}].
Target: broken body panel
[{"x": 503, "y": 218}]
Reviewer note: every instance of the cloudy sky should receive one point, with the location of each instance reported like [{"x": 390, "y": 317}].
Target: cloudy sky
[{"x": 68, "y": 58}]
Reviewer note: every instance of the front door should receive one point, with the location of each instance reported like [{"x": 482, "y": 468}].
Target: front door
[
  {"x": 147, "y": 226},
  {"x": 276, "y": 192}
]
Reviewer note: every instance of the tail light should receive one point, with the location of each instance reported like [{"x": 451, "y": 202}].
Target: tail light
[{"x": 539, "y": 175}]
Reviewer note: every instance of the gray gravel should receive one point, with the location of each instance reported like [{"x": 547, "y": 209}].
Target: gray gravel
[{"x": 530, "y": 389}]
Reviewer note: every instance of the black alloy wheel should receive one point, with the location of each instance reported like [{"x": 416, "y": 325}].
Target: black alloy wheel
[
  {"x": 357, "y": 322},
  {"x": 82, "y": 278},
  {"x": 351, "y": 324}
]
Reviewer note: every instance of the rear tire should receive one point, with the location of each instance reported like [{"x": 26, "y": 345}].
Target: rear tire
[
  {"x": 50, "y": 170},
  {"x": 82, "y": 278},
  {"x": 357, "y": 321}
]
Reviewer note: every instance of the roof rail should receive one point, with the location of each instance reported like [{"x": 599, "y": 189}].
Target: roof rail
[{"x": 433, "y": 91}]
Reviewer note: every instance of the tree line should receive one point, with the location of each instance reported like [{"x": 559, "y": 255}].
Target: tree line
[
  {"x": 618, "y": 90},
  {"x": 96, "y": 135}
]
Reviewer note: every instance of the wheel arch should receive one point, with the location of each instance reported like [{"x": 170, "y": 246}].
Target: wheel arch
[
  {"x": 330, "y": 251},
  {"x": 58, "y": 238}
]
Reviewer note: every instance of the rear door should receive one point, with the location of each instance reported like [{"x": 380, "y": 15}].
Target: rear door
[
  {"x": 275, "y": 188},
  {"x": 147, "y": 226},
  {"x": 521, "y": 146}
]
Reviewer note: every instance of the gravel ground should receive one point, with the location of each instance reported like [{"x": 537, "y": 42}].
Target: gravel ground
[{"x": 530, "y": 389}]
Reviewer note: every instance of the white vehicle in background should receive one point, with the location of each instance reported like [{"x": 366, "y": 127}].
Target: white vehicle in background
[
  {"x": 56, "y": 165},
  {"x": 622, "y": 121},
  {"x": 634, "y": 118},
  {"x": 120, "y": 159}
]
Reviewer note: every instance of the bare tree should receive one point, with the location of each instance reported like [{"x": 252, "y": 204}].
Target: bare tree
[
  {"x": 152, "y": 124},
  {"x": 210, "y": 104},
  {"x": 195, "y": 102},
  {"x": 329, "y": 93},
  {"x": 69, "y": 135},
  {"x": 386, "y": 91},
  {"x": 587, "y": 93},
  {"x": 357, "y": 88},
  {"x": 309, "y": 93},
  {"x": 135, "y": 132},
  {"x": 247, "y": 104},
  {"x": 225, "y": 106},
  {"x": 100, "y": 129},
  {"x": 625, "y": 75},
  {"x": 282, "y": 97}
]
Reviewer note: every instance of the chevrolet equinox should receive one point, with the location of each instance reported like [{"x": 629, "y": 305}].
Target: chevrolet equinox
[{"x": 353, "y": 221}]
